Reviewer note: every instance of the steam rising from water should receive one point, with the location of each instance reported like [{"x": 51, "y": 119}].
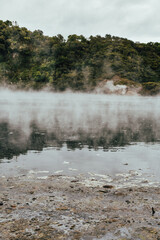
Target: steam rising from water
[{"x": 87, "y": 118}]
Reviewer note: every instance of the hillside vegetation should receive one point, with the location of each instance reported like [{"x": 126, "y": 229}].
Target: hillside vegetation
[{"x": 32, "y": 60}]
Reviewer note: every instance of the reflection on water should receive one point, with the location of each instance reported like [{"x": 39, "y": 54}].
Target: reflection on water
[
  {"x": 137, "y": 160},
  {"x": 13, "y": 141},
  {"x": 63, "y": 133},
  {"x": 34, "y": 121}
]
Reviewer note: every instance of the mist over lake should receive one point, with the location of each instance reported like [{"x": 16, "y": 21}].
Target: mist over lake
[{"x": 41, "y": 121}]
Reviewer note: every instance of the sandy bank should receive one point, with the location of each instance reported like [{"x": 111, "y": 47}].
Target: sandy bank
[{"x": 60, "y": 207}]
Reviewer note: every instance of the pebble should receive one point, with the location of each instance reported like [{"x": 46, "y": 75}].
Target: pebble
[{"x": 108, "y": 186}]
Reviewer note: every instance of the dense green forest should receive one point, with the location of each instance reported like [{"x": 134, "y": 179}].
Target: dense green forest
[{"x": 30, "y": 59}]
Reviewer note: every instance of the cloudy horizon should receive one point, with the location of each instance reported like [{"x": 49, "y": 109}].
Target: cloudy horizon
[{"x": 136, "y": 20}]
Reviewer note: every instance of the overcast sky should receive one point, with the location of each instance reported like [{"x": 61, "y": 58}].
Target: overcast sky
[{"x": 138, "y": 20}]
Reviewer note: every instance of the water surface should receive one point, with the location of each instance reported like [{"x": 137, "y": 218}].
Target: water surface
[{"x": 78, "y": 133}]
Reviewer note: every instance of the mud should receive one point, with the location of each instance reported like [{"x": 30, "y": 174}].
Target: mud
[{"x": 79, "y": 207}]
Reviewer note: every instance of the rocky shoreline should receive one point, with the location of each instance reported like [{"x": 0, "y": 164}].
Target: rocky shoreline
[{"x": 79, "y": 207}]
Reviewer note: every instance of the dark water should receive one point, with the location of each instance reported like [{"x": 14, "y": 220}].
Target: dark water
[{"x": 70, "y": 133}]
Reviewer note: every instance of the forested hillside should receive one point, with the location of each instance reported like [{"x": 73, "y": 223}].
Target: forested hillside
[{"x": 30, "y": 59}]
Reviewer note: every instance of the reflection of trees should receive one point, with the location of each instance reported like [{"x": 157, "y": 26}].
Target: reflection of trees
[{"x": 13, "y": 141}]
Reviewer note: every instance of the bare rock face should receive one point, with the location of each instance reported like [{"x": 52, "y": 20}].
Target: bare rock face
[
  {"x": 108, "y": 87},
  {"x": 116, "y": 86}
]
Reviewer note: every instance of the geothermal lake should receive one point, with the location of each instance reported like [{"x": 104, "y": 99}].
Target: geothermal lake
[{"x": 46, "y": 133}]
